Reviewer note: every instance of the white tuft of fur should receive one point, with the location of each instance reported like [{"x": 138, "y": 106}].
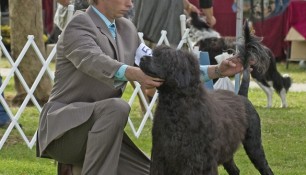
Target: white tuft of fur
[{"x": 286, "y": 75}]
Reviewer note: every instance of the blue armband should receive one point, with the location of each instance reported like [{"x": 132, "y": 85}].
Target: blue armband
[
  {"x": 203, "y": 73},
  {"x": 120, "y": 74}
]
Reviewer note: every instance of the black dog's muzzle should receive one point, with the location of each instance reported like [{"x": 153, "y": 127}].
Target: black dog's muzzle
[{"x": 146, "y": 66}]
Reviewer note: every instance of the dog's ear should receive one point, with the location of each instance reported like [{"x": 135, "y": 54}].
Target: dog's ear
[
  {"x": 183, "y": 78},
  {"x": 187, "y": 72},
  {"x": 177, "y": 73}
]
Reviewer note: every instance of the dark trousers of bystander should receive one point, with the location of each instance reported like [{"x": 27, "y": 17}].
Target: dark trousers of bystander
[{"x": 4, "y": 118}]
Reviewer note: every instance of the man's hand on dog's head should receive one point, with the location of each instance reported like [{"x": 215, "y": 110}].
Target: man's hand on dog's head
[{"x": 136, "y": 74}]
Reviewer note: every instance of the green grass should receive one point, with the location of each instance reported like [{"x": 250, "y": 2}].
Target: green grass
[
  {"x": 4, "y": 63},
  {"x": 283, "y": 135},
  {"x": 297, "y": 73},
  {"x": 283, "y": 132}
]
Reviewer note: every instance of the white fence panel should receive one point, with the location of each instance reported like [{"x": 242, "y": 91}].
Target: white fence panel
[{"x": 30, "y": 91}]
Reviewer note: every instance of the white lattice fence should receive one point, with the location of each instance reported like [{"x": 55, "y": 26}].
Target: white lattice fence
[
  {"x": 29, "y": 90},
  {"x": 45, "y": 68}
]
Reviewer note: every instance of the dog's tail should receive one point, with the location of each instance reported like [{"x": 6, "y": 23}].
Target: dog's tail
[
  {"x": 197, "y": 22},
  {"x": 287, "y": 82},
  {"x": 251, "y": 49}
]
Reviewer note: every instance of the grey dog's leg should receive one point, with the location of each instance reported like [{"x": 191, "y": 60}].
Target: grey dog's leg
[
  {"x": 282, "y": 95},
  {"x": 231, "y": 167},
  {"x": 268, "y": 91},
  {"x": 252, "y": 143}
]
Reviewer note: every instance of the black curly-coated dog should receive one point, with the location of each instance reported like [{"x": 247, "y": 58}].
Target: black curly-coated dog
[{"x": 194, "y": 130}]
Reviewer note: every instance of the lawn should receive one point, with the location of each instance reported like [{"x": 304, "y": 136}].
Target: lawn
[{"x": 283, "y": 135}]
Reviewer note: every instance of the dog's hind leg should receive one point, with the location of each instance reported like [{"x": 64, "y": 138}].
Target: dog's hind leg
[
  {"x": 252, "y": 142},
  {"x": 231, "y": 167},
  {"x": 281, "y": 86},
  {"x": 282, "y": 95}
]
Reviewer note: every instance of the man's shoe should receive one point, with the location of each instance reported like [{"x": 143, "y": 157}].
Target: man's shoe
[{"x": 64, "y": 169}]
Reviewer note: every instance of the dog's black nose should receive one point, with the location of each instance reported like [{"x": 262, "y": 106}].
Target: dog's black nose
[{"x": 145, "y": 57}]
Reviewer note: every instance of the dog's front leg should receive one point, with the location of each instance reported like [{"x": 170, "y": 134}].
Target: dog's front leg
[
  {"x": 268, "y": 91},
  {"x": 213, "y": 170}
]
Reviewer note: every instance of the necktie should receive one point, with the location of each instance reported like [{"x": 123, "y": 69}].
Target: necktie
[{"x": 112, "y": 29}]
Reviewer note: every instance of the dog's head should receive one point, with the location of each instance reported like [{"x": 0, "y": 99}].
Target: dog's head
[
  {"x": 199, "y": 29},
  {"x": 179, "y": 69}
]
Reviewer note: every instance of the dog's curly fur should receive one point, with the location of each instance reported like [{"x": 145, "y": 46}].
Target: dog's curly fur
[{"x": 195, "y": 130}]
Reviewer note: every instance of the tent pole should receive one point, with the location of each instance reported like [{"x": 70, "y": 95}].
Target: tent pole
[{"x": 239, "y": 22}]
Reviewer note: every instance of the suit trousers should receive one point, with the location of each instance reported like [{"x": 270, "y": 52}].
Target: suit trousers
[{"x": 100, "y": 146}]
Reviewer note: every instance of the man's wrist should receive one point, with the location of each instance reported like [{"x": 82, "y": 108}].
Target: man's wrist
[
  {"x": 214, "y": 72},
  {"x": 120, "y": 74},
  {"x": 132, "y": 73},
  {"x": 218, "y": 73}
]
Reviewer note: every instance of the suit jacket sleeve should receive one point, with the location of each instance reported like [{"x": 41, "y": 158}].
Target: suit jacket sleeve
[{"x": 89, "y": 50}]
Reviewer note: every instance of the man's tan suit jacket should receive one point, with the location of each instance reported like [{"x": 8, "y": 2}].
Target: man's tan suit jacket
[{"x": 87, "y": 59}]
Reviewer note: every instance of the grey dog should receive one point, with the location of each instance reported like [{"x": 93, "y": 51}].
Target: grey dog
[{"x": 195, "y": 130}]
